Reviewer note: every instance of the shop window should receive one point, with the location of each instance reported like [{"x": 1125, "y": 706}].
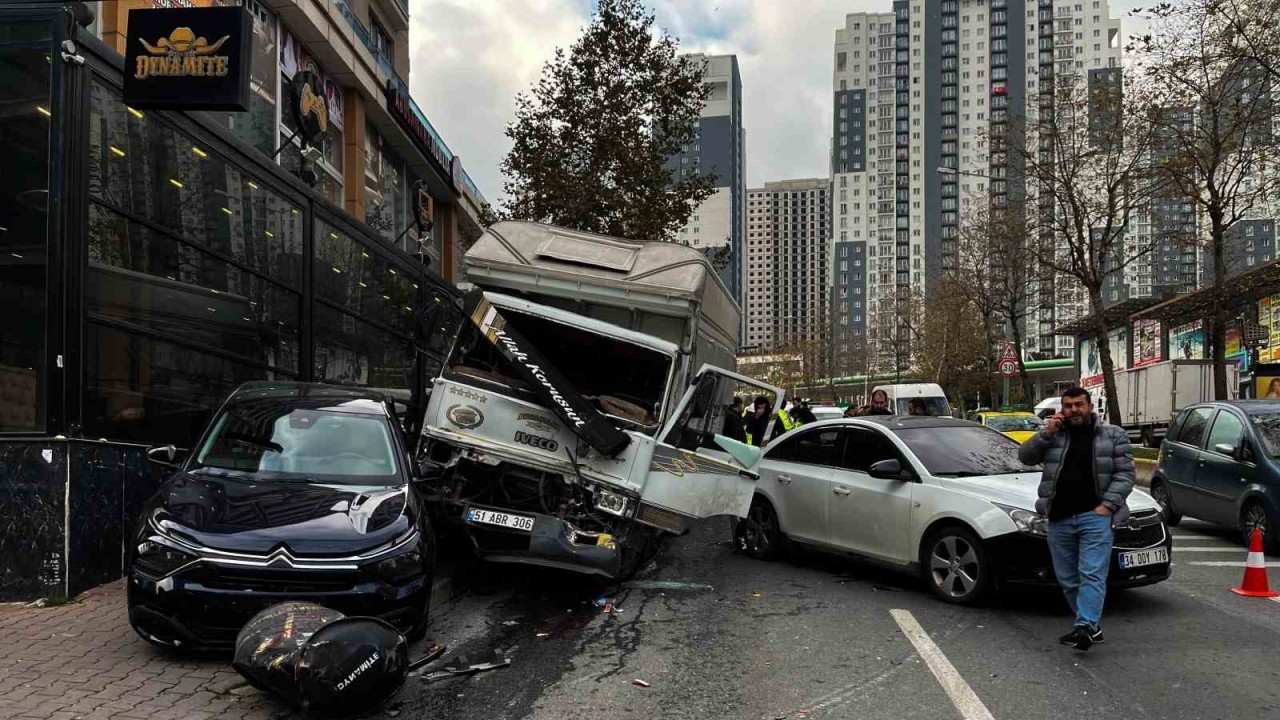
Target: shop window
[
  {"x": 24, "y": 144},
  {"x": 257, "y": 127},
  {"x": 355, "y": 277},
  {"x": 352, "y": 352},
  {"x": 385, "y": 187},
  {"x": 153, "y": 282},
  {"x": 146, "y": 390},
  {"x": 140, "y": 165}
]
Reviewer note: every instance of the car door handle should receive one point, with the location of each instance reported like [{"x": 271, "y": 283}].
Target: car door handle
[
  {"x": 784, "y": 479},
  {"x": 839, "y": 490}
]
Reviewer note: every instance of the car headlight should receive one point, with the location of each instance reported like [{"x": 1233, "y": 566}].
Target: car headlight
[
  {"x": 1028, "y": 521},
  {"x": 159, "y": 560},
  {"x": 400, "y": 568}
]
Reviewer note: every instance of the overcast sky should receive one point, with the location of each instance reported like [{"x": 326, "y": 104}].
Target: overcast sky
[{"x": 471, "y": 57}]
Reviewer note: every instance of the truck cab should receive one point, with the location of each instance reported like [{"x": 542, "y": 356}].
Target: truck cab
[{"x": 577, "y": 420}]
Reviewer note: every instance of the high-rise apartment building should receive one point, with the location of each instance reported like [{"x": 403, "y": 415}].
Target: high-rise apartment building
[
  {"x": 720, "y": 221},
  {"x": 923, "y": 99},
  {"x": 788, "y": 266}
]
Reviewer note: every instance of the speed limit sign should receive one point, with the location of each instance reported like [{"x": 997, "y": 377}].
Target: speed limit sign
[{"x": 1008, "y": 368}]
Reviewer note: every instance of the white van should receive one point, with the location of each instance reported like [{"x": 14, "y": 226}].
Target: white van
[{"x": 900, "y": 396}]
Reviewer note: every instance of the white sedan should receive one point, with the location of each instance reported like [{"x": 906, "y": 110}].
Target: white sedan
[{"x": 945, "y": 498}]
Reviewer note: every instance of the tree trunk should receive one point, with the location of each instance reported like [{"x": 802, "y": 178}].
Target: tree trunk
[
  {"x": 1218, "y": 327},
  {"x": 1102, "y": 330},
  {"x": 1027, "y": 390}
]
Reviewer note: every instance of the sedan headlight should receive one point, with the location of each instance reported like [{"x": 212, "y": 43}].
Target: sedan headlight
[
  {"x": 400, "y": 568},
  {"x": 159, "y": 560},
  {"x": 1028, "y": 521}
]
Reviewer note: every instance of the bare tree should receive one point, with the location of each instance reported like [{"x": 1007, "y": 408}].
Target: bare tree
[
  {"x": 994, "y": 257},
  {"x": 1211, "y": 103},
  {"x": 1087, "y": 159},
  {"x": 954, "y": 347}
]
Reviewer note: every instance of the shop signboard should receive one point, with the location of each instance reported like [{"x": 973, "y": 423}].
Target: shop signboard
[
  {"x": 1269, "y": 317},
  {"x": 401, "y": 108},
  {"x": 1186, "y": 342},
  {"x": 195, "y": 58},
  {"x": 294, "y": 58},
  {"x": 1146, "y": 343}
]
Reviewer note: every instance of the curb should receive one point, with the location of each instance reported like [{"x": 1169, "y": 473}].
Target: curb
[{"x": 1143, "y": 471}]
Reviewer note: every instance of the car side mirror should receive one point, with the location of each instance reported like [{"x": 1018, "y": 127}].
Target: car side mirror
[
  {"x": 1226, "y": 449},
  {"x": 889, "y": 470},
  {"x": 165, "y": 455}
]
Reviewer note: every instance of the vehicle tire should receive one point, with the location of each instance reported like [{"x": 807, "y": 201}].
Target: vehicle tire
[
  {"x": 1255, "y": 514},
  {"x": 1160, "y": 493},
  {"x": 634, "y": 559},
  {"x": 956, "y": 566},
  {"x": 758, "y": 534},
  {"x": 1149, "y": 438}
]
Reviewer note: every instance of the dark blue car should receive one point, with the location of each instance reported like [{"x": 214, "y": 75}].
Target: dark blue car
[{"x": 1221, "y": 463}]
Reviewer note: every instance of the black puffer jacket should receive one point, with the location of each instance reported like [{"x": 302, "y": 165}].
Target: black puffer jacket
[{"x": 1113, "y": 468}]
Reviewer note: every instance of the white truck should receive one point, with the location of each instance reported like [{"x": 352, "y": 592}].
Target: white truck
[
  {"x": 579, "y": 415},
  {"x": 1150, "y": 396}
]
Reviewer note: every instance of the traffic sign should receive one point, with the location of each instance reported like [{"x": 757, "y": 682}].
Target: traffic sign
[
  {"x": 1008, "y": 352},
  {"x": 1008, "y": 368}
]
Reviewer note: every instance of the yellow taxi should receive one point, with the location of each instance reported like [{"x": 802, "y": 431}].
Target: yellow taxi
[{"x": 1017, "y": 425}]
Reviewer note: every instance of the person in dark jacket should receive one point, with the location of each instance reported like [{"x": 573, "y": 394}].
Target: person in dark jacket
[
  {"x": 1088, "y": 473},
  {"x": 735, "y": 426},
  {"x": 879, "y": 404},
  {"x": 757, "y": 422}
]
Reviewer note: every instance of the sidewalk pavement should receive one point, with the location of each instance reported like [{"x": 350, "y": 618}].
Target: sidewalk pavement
[{"x": 83, "y": 660}]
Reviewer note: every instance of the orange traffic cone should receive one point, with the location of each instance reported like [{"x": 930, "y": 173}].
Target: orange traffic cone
[{"x": 1255, "y": 571}]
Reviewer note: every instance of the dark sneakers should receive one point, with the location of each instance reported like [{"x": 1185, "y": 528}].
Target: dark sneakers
[{"x": 1082, "y": 637}]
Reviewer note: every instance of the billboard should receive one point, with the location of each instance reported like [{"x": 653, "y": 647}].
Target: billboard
[
  {"x": 1186, "y": 342},
  {"x": 1147, "y": 349}
]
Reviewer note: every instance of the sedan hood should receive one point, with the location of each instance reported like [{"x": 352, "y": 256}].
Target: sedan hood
[
  {"x": 1019, "y": 490},
  {"x": 256, "y": 516}
]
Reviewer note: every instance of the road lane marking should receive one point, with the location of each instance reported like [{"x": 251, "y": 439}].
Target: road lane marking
[
  {"x": 1224, "y": 563},
  {"x": 1179, "y": 549},
  {"x": 962, "y": 696}
]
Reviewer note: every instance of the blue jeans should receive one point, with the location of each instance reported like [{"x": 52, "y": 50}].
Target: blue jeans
[{"x": 1081, "y": 550}]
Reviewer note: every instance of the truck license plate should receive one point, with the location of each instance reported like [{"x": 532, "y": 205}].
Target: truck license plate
[
  {"x": 501, "y": 519},
  {"x": 1138, "y": 558}
]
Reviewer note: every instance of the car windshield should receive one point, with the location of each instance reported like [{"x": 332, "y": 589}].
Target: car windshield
[
  {"x": 936, "y": 406},
  {"x": 274, "y": 441},
  {"x": 1268, "y": 426},
  {"x": 1014, "y": 423},
  {"x": 964, "y": 451}
]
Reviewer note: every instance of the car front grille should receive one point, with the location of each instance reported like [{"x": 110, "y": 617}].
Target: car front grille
[
  {"x": 278, "y": 581},
  {"x": 1145, "y": 529}
]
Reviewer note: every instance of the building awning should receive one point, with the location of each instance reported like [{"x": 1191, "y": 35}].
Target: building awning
[
  {"x": 1115, "y": 315},
  {"x": 1241, "y": 290}
]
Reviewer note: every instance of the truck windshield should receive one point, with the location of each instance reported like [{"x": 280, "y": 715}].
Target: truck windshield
[
  {"x": 623, "y": 380},
  {"x": 936, "y": 406}
]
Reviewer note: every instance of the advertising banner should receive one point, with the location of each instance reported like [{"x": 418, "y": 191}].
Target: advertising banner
[
  {"x": 1090, "y": 364},
  {"x": 1147, "y": 349},
  {"x": 1269, "y": 317},
  {"x": 1186, "y": 342}
]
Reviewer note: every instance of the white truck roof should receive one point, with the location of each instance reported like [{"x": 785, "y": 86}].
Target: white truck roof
[{"x": 625, "y": 283}]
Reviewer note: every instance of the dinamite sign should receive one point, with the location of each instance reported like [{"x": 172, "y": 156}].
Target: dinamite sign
[{"x": 188, "y": 59}]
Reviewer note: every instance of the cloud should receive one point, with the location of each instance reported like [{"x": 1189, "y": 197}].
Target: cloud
[{"x": 471, "y": 57}]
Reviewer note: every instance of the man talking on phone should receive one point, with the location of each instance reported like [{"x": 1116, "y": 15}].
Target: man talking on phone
[{"x": 1088, "y": 473}]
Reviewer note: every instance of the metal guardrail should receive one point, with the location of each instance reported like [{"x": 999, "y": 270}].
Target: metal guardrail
[{"x": 384, "y": 63}]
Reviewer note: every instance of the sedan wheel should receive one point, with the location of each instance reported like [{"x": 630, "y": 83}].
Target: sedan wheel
[
  {"x": 1255, "y": 516},
  {"x": 1160, "y": 493},
  {"x": 758, "y": 534},
  {"x": 956, "y": 566}
]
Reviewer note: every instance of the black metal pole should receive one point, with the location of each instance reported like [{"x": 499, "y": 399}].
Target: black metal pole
[{"x": 286, "y": 142}]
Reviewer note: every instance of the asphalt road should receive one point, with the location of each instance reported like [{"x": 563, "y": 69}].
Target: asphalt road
[{"x": 813, "y": 636}]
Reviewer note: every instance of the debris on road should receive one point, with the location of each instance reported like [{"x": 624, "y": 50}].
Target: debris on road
[
  {"x": 462, "y": 665},
  {"x": 510, "y": 623},
  {"x": 757, "y": 594},
  {"x": 665, "y": 585},
  {"x": 543, "y": 634},
  {"x": 640, "y": 683}
]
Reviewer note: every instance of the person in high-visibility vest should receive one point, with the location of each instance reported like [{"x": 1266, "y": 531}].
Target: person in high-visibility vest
[{"x": 784, "y": 424}]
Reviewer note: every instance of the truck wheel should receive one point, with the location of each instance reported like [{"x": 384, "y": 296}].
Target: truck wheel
[
  {"x": 1160, "y": 493},
  {"x": 1149, "y": 438}
]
